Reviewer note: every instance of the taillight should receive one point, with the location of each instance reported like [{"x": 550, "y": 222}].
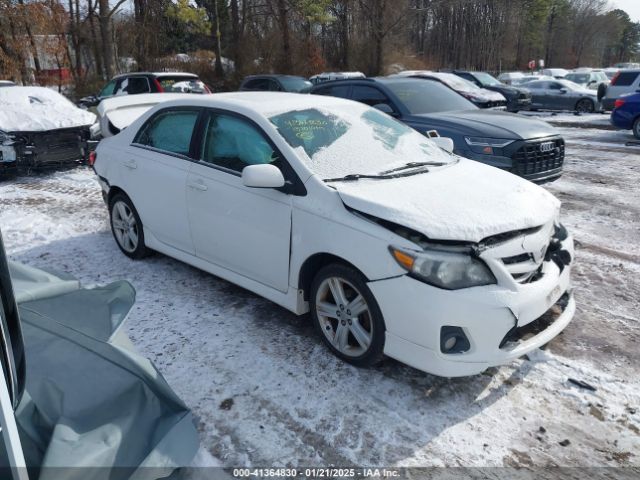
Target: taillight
[
  {"x": 92, "y": 158},
  {"x": 158, "y": 86},
  {"x": 615, "y": 78},
  {"x": 618, "y": 103}
]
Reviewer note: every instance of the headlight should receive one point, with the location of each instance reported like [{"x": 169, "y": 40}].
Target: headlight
[
  {"x": 488, "y": 142},
  {"x": 487, "y": 146},
  {"x": 443, "y": 269}
]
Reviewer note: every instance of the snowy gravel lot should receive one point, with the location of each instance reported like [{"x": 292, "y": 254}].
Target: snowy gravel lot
[{"x": 266, "y": 392}]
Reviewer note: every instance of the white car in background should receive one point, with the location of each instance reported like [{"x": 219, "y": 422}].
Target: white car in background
[
  {"x": 395, "y": 245},
  {"x": 555, "y": 72}
]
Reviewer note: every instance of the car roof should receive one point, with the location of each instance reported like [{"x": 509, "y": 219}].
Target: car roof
[
  {"x": 272, "y": 75},
  {"x": 264, "y": 103},
  {"x": 157, "y": 74}
]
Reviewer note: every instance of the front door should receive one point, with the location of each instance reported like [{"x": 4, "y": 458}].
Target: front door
[{"x": 246, "y": 230}]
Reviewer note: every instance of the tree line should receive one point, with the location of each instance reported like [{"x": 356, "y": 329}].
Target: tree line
[{"x": 226, "y": 39}]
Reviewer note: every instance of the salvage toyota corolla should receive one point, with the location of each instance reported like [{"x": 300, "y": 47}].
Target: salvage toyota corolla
[{"x": 396, "y": 246}]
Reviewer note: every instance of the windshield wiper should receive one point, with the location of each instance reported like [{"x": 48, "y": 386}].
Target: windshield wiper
[
  {"x": 383, "y": 176},
  {"x": 410, "y": 165}
]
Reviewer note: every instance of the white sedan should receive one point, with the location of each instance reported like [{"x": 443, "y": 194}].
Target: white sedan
[{"x": 396, "y": 246}]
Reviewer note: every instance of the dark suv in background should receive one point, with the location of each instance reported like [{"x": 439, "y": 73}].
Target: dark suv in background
[
  {"x": 524, "y": 146},
  {"x": 517, "y": 98}
]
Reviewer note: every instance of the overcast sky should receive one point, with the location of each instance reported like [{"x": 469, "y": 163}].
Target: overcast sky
[{"x": 632, "y": 7}]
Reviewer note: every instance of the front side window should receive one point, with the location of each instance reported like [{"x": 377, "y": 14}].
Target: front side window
[
  {"x": 369, "y": 96},
  {"x": 169, "y": 131},
  {"x": 233, "y": 143},
  {"x": 421, "y": 96}
]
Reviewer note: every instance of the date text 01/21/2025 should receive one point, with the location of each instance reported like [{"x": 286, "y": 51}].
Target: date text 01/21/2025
[{"x": 329, "y": 472}]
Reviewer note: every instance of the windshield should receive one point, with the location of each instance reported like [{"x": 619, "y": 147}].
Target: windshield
[
  {"x": 487, "y": 79},
  {"x": 349, "y": 138},
  {"x": 428, "y": 96},
  {"x": 295, "y": 84},
  {"x": 578, "y": 77}
]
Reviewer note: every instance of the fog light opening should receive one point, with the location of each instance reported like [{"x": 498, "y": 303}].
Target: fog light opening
[{"x": 453, "y": 340}]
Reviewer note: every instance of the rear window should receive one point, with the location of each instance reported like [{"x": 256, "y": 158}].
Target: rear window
[
  {"x": 625, "y": 79},
  {"x": 181, "y": 84}
]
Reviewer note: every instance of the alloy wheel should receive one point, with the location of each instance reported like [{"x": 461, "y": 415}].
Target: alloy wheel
[
  {"x": 125, "y": 226},
  {"x": 344, "y": 316}
]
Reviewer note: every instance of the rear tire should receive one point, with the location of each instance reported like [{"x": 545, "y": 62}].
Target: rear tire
[
  {"x": 347, "y": 316},
  {"x": 585, "y": 106},
  {"x": 636, "y": 128},
  {"x": 126, "y": 227}
]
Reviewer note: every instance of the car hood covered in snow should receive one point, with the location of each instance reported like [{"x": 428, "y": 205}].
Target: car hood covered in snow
[
  {"x": 37, "y": 109},
  {"x": 467, "y": 201}
]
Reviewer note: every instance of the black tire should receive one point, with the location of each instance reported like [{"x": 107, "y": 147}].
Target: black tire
[
  {"x": 140, "y": 251},
  {"x": 372, "y": 319},
  {"x": 585, "y": 105},
  {"x": 636, "y": 128}
]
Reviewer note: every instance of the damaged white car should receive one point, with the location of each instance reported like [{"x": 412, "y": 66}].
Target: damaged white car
[
  {"x": 39, "y": 127},
  {"x": 396, "y": 246}
]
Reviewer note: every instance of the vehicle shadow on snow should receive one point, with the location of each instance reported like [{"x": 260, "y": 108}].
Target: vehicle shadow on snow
[{"x": 332, "y": 412}]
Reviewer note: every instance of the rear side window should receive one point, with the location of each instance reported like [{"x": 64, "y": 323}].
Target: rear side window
[
  {"x": 625, "y": 79},
  {"x": 341, "y": 91},
  {"x": 233, "y": 143},
  {"x": 169, "y": 131}
]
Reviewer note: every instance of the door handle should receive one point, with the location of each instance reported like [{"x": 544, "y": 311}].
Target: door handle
[
  {"x": 198, "y": 186},
  {"x": 130, "y": 164}
]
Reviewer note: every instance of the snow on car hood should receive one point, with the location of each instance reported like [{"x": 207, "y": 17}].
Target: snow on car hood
[
  {"x": 35, "y": 109},
  {"x": 467, "y": 201},
  {"x": 488, "y": 95}
]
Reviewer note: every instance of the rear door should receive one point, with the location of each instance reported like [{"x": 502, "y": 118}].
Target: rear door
[{"x": 156, "y": 167}]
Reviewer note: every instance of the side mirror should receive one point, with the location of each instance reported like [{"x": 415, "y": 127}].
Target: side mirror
[
  {"x": 444, "y": 143},
  {"x": 385, "y": 108},
  {"x": 563, "y": 90},
  {"x": 262, "y": 176}
]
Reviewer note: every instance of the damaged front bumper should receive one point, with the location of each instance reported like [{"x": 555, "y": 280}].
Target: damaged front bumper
[
  {"x": 30, "y": 150},
  {"x": 499, "y": 323}
]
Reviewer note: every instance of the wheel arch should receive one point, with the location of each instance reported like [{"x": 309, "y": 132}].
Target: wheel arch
[
  {"x": 113, "y": 191},
  {"x": 312, "y": 265}
]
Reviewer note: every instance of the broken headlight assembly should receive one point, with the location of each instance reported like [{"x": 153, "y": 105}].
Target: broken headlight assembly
[
  {"x": 487, "y": 146},
  {"x": 447, "y": 269}
]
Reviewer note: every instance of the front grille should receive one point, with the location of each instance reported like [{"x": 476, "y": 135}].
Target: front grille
[{"x": 539, "y": 157}]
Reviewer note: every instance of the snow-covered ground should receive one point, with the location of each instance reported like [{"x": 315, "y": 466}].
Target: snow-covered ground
[{"x": 266, "y": 392}]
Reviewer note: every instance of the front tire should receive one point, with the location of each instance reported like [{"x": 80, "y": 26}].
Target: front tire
[
  {"x": 347, "y": 316},
  {"x": 585, "y": 106},
  {"x": 126, "y": 227},
  {"x": 636, "y": 128}
]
